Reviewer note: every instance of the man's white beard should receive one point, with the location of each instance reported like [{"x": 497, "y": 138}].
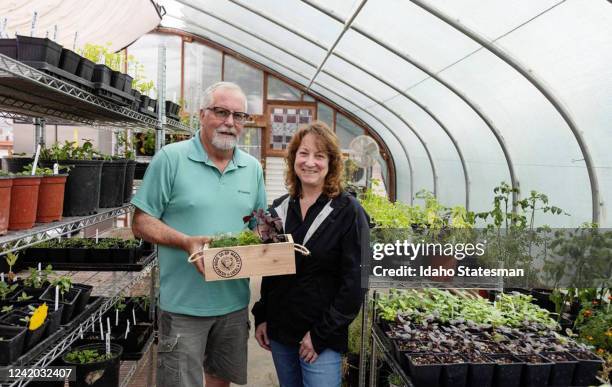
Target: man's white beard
[{"x": 223, "y": 142}]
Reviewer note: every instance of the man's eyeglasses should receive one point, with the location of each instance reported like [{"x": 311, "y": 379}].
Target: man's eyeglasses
[{"x": 222, "y": 113}]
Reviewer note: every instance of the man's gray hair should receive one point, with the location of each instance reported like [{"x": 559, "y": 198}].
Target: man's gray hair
[{"x": 208, "y": 93}]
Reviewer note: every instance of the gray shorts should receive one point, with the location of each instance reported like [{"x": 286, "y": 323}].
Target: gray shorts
[{"x": 191, "y": 345}]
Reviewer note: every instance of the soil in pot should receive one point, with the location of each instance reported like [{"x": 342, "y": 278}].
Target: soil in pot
[
  {"x": 6, "y": 183},
  {"x": 562, "y": 371},
  {"x": 508, "y": 370},
  {"x": 11, "y": 345},
  {"x": 15, "y": 164},
  {"x": 82, "y": 193},
  {"x": 111, "y": 183},
  {"x": 536, "y": 370},
  {"x": 424, "y": 369},
  {"x": 24, "y": 202},
  {"x": 51, "y": 198},
  {"x": 68, "y": 300},
  {"x": 480, "y": 370},
  {"x": 129, "y": 180},
  {"x": 585, "y": 373},
  {"x": 454, "y": 370},
  {"x": 95, "y": 367}
]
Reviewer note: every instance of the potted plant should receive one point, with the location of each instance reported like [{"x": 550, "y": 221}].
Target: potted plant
[
  {"x": 31, "y": 49},
  {"x": 11, "y": 260},
  {"x": 36, "y": 282},
  {"x": 54, "y": 317},
  {"x": 24, "y": 201},
  {"x": 249, "y": 253},
  {"x": 11, "y": 343},
  {"x": 69, "y": 61},
  {"x": 35, "y": 323},
  {"x": 94, "y": 365},
  {"x": 16, "y": 163},
  {"x": 424, "y": 369},
  {"x": 50, "y": 195},
  {"x": 67, "y": 296},
  {"x": 82, "y": 192},
  {"x": 6, "y": 182},
  {"x": 562, "y": 370},
  {"x": 125, "y": 148},
  {"x": 6, "y": 291}
]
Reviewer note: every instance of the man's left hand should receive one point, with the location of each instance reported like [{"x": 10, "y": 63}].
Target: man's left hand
[{"x": 307, "y": 352}]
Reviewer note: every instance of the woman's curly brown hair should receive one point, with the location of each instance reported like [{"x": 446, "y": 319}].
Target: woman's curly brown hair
[{"x": 327, "y": 142}]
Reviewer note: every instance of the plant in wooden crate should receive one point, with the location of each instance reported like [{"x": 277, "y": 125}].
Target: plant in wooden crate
[{"x": 249, "y": 253}]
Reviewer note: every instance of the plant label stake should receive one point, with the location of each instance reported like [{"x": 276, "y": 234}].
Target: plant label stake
[
  {"x": 47, "y": 34},
  {"x": 96, "y": 236},
  {"x": 55, "y": 168},
  {"x": 56, "y": 297},
  {"x": 108, "y": 325},
  {"x": 101, "y": 328},
  {"x": 2, "y": 277},
  {"x": 107, "y": 343},
  {"x": 116, "y": 316},
  {"x": 3, "y": 28},
  {"x": 93, "y": 324},
  {"x": 76, "y": 33},
  {"x": 38, "y": 278},
  {"x": 33, "y": 26},
  {"x": 134, "y": 316},
  {"x": 81, "y": 332},
  {"x": 36, "y": 160},
  {"x": 55, "y": 32},
  {"x": 127, "y": 329}
]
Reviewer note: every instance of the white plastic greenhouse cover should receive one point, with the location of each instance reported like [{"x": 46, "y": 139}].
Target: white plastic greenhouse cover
[
  {"x": 94, "y": 21},
  {"x": 465, "y": 93}
]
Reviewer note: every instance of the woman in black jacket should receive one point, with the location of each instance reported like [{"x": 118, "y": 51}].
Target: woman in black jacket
[{"x": 303, "y": 318}]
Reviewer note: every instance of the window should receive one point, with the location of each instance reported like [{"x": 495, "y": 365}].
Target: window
[
  {"x": 325, "y": 114},
  {"x": 202, "y": 69},
  {"x": 249, "y": 79},
  {"x": 279, "y": 90},
  {"x": 346, "y": 130}
]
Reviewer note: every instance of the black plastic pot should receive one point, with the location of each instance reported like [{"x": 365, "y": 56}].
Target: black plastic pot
[
  {"x": 426, "y": 374},
  {"x": 562, "y": 371},
  {"x": 54, "y": 317},
  {"x": 585, "y": 373},
  {"x": 140, "y": 170},
  {"x": 83, "y": 299},
  {"x": 118, "y": 80},
  {"x": 31, "y": 337},
  {"x": 136, "y": 338},
  {"x": 542, "y": 299},
  {"x": 15, "y": 164},
  {"x": 112, "y": 183},
  {"x": 12, "y": 345},
  {"x": 136, "y": 103},
  {"x": 535, "y": 373},
  {"x": 69, "y": 61},
  {"x": 480, "y": 374},
  {"x": 69, "y": 301},
  {"x": 153, "y": 104},
  {"x": 8, "y": 47},
  {"x": 507, "y": 374},
  {"x": 102, "y": 73},
  {"x": 128, "y": 84},
  {"x": 85, "y": 69},
  {"x": 107, "y": 370},
  {"x": 128, "y": 187},
  {"x": 82, "y": 193},
  {"x": 38, "y": 50},
  {"x": 453, "y": 374},
  {"x": 144, "y": 101}
]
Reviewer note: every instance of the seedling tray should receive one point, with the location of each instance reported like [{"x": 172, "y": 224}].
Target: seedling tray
[
  {"x": 115, "y": 95},
  {"x": 105, "y": 266},
  {"x": 62, "y": 74}
]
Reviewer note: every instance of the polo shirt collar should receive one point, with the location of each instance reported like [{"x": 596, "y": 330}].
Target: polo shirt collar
[{"x": 198, "y": 153}]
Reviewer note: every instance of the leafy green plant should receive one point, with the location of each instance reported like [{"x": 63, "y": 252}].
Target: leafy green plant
[
  {"x": 596, "y": 329},
  {"x": 6, "y": 309},
  {"x": 24, "y": 297},
  {"x": 11, "y": 260},
  {"x": 36, "y": 280},
  {"x": 87, "y": 356},
  {"x": 6, "y": 290},
  {"x": 125, "y": 146},
  {"x": 70, "y": 150},
  {"x": 64, "y": 283},
  {"x": 244, "y": 238}
]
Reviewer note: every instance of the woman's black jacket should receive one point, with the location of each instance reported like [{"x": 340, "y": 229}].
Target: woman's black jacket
[{"x": 325, "y": 294}]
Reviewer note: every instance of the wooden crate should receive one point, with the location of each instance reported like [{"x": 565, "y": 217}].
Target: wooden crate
[{"x": 224, "y": 263}]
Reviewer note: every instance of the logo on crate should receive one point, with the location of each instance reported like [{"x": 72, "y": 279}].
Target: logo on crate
[{"x": 227, "y": 263}]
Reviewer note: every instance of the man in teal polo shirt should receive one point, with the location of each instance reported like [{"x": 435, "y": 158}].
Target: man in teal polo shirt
[{"x": 192, "y": 190}]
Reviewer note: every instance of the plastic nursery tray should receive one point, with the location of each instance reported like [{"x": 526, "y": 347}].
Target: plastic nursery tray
[
  {"x": 92, "y": 306},
  {"x": 35, "y": 351},
  {"x": 107, "y": 266},
  {"x": 115, "y": 95},
  {"x": 62, "y": 74}
]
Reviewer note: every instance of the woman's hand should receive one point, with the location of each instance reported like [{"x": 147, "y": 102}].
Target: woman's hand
[
  {"x": 307, "y": 352},
  {"x": 261, "y": 335}
]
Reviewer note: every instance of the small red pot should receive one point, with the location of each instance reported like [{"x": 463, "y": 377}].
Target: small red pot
[
  {"x": 24, "y": 202},
  {"x": 5, "y": 203},
  {"x": 51, "y": 198}
]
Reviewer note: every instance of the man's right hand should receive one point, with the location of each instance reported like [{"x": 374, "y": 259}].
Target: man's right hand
[
  {"x": 194, "y": 244},
  {"x": 261, "y": 335}
]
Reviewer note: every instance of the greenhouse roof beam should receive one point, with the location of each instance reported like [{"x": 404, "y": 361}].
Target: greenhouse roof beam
[
  {"x": 318, "y": 84},
  {"x": 538, "y": 84},
  {"x": 347, "y": 25},
  {"x": 500, "y": 140}
]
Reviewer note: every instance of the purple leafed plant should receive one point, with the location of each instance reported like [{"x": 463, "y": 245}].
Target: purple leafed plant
[{"x": 268, "y": 227}]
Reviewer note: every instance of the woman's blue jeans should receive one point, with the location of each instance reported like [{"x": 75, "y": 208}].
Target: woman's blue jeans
[{"x": 292, "y": 371}]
